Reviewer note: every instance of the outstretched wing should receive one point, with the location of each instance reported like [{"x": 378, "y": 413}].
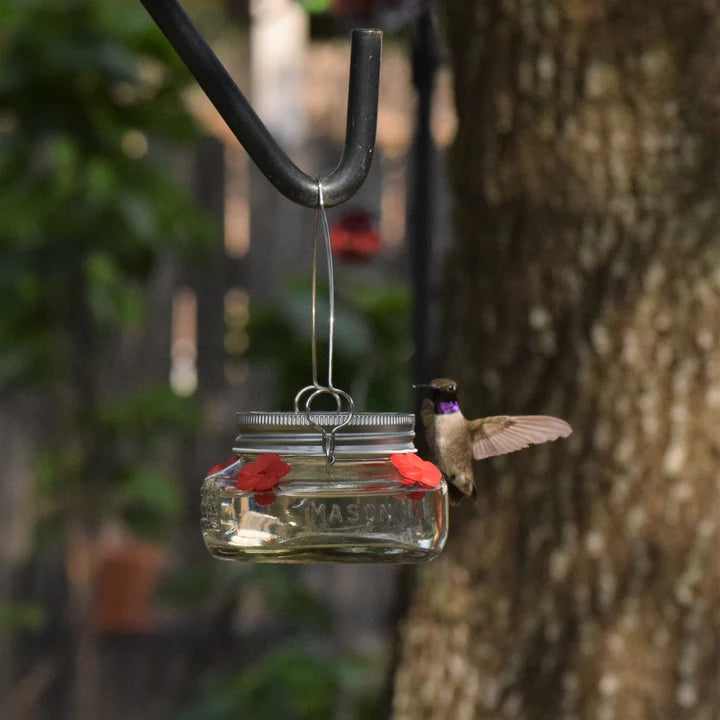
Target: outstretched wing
[
  {"x": 427, "y": 411},
  {"x": 505, "y": 433}
]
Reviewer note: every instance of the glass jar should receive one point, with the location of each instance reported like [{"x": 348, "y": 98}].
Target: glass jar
[{"x": 357, "y": 509}]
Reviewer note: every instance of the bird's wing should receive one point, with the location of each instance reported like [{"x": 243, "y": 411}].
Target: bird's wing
[
  {"x": 427, "y": 411},
  {"x": 505, "y": 433}
]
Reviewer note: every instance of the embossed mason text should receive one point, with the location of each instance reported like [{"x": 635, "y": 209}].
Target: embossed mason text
[{"x": 326, "y": 513}]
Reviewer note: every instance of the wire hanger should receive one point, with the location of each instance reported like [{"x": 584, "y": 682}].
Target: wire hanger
[
  {"x": 260, "y": 145},
  {"x": 316, "y": 388}
]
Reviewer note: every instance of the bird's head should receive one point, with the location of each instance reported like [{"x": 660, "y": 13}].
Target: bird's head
[{"x": 441, "y": 388}]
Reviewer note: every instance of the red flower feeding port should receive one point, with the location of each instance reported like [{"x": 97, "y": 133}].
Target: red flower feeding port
[
  {"x": 355, "y": 237},
  {"x": 262, "y": 476},
  {"x": 413, "y": 470}
]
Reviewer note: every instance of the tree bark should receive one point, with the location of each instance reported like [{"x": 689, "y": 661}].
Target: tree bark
[{"x": 584, "y": 282}]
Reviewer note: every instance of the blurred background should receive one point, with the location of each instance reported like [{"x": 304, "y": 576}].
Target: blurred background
[{"x": 153, "y": 283}]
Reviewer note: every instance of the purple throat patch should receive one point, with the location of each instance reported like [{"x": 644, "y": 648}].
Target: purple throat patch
[{"x": 444, "y": 408}]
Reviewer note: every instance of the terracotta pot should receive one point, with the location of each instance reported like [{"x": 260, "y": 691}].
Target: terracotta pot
[{"x": 128, "y": 574}]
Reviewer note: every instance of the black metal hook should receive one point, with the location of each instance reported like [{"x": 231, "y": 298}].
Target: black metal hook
[{"x": 272, "y": 160}]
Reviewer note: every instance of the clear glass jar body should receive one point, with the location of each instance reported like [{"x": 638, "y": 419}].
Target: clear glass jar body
[{"x": 355, "y": 510}]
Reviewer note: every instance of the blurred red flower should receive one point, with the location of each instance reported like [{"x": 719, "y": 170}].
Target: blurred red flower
[
  {"x": 355, "y": 237},
  {"x": 354, "y": 8},
  {"x": 414, "y": 469}
]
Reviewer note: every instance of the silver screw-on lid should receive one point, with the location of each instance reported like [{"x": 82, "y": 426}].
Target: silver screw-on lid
[{"x": 290, "y": 433}]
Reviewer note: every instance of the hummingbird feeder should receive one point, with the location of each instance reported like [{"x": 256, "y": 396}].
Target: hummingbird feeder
[
  {"x": 306, "y": 485},
  {"x": 311, "y": 486}
]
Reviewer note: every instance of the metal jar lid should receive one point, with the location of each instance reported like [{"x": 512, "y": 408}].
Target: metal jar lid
[{"x": 290, "y": 433}]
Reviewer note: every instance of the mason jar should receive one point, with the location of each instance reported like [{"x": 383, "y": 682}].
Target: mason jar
[{"x": 281, "y": 498}]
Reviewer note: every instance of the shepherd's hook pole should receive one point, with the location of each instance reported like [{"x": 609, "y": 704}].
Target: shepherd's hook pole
[{"x": 260, "y": 145}]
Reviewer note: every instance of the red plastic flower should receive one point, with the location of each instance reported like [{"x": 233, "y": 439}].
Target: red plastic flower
[
  {"x": 221, "y": 466},
  {"x": 263, "y": 474},
  {"x": 413, "y": 470}
]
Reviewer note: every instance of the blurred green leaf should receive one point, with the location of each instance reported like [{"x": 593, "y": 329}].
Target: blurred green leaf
[
  {"x": 91, "y": 112},
  {"x": 373, "y": 347},
  {"x": 287, "y": 594},
  {"x": 151, "y": 489},
  {"x": 149, "y": 413},
  {"x": 316, "y": 6},
  {"x": 21, "y": 616},
  {"x": 54, "y": 470},
  {"x": 294, "y": 683},
  {"x": 147, "y": 500},
  {"x": 89, "y": 105},
  {"x": 287, "y": 683},
  {"x": 281, "y": 588},
  {"x": 190, "y": 585}
]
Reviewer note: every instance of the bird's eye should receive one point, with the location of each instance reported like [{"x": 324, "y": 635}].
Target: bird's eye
[{"x": 451, "y": 388}]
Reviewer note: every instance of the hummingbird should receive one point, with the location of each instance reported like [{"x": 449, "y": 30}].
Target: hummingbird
[{"x": 455, "y": 440}]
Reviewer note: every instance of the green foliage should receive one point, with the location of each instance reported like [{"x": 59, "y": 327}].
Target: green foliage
[
  {"x": 90, "y": 108},
  {"x": 127, "y": 482},
  {"x": 85, "y": 88},
  {"x": 132, "y": 429},
  {"x": 372, "y": 341},
  {"x": 149, "y": 414},
  {"x": 291, "y": 683},
  {"x": 316, "y": 6},
  {"x": 287, "y": 683},
  {"x": 280, "y": 587},
  {"x": 21, "y": 616},
  {"x": 147, "y": 499},
  {"x": 290, "y": 597}
]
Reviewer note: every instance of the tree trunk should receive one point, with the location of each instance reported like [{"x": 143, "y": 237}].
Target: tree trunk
[{"x": 584, "y": 282}]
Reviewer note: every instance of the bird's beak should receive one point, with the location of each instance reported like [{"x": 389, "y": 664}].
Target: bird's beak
[{"x": 422, "y": 385}]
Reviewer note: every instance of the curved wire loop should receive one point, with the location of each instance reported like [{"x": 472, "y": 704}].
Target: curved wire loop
[
  {"x": 313, "y": 388},
  {"x": 237, "y": 112},
  {"x": 328, "y": 436},
  {"x": 316, "y": 389}
]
